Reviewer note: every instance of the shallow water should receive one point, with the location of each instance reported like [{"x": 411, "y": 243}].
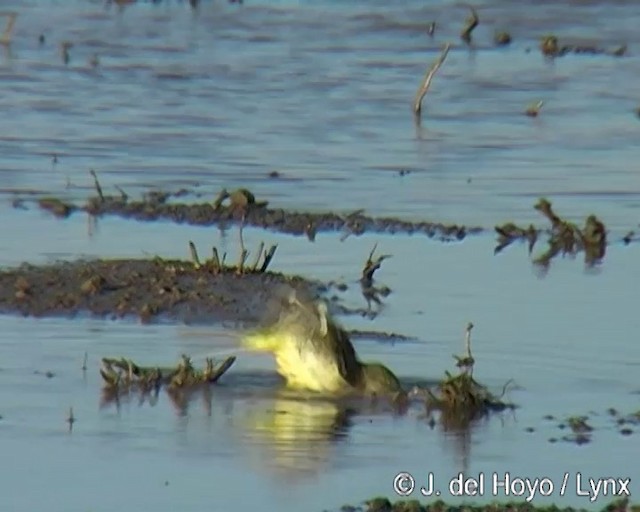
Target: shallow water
[{"x": 321, "y": 92}]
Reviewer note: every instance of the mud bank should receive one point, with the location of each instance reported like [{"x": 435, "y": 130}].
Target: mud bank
[
  {"x": 243, "y": 209},
  {"x": 155, "y": 290},
  {"x": 148, "y": 289}
]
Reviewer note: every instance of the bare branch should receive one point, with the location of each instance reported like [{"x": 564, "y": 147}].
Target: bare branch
[{"x": 426, "y": 82}]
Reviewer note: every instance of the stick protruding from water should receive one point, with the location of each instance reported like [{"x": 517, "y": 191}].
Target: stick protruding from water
[
  {"x": 426, "y": 82},
  {"x": 5, "y": 38}
]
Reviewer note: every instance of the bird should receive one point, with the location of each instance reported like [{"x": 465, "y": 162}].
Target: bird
[{"x": 313, "y": 353}]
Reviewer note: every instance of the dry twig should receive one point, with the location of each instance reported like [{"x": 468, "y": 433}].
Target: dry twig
[
  {"x": 426, "y": 82},
  {"x": 5, "y": 38}
]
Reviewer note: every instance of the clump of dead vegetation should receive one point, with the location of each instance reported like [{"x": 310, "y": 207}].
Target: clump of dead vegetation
[
  {"x": 550, "y": 46},
  {"x": 460, "y": 399},
  {"x": 125, "y": 375},
  {"x": 565, "y": 237}
]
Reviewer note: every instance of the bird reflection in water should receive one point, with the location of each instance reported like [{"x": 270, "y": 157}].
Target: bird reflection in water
[{"x": 297, "y": 436}]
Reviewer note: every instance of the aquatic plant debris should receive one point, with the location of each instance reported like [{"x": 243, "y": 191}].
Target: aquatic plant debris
[
  {"x": 123, "y": 379},
  {"x": 240, "y": 207},
  {"x": 564, "y": 237},
  {"x": 426, "y": 81},
  {"x": 153, "y": 207},
  {"x": 582, "y": 429},
  {"x": 7, "y": 33},
  {"x": 551, "y": 47},
  {"x": 370, "y": 292},
  {"x": 383, "y": 504},
  {"x": 460, "y": 399},
  {"x": 469, "y": 25},
  {"x": 123, "y": 374}
]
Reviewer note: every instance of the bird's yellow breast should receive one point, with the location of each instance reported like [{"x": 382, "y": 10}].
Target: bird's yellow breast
[{"x": 307, "y": 369}]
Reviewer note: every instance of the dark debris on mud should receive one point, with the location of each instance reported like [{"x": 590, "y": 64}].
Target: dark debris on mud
[
  {"x": 240, "y": 206},
  {"x": 381, "y": 504}
]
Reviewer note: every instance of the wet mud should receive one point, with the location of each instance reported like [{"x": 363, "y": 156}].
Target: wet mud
[
  {"x": 154, "y": 290},
  {"x": 384, "y": 505},
  {"x": 563, "y": 237},
  {"x": 241, "y": 207},
  {"x": 148, "y": 289}
]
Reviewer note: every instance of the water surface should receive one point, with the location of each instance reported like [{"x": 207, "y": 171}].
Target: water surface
[{"x": 321, "y": 92}]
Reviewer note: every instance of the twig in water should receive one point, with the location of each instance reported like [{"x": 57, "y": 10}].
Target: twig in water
[
  {"x": 71, "y": 419},
  {"x": 124, "y": 195},
  {"x": 194, "y": 255},
  {"x": 257, "y": 260},
  {"x": 431, "y": 28},
  {"x": 84, "y": 363},
  {"x": 65, "y": 46},
  {"x": 5, "y": 38},
  {"x": 97, "y": 184},
  {"x": 243, "y": 252},
  {"x": 216, "y": 261},
  {"x": 467, "y": 361},
  {"x": 370, "y": 266},
  {"x": 426, "y": 82},
  {"x": 470, "y": 24},
  {"x": 267, "y": 258}
]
